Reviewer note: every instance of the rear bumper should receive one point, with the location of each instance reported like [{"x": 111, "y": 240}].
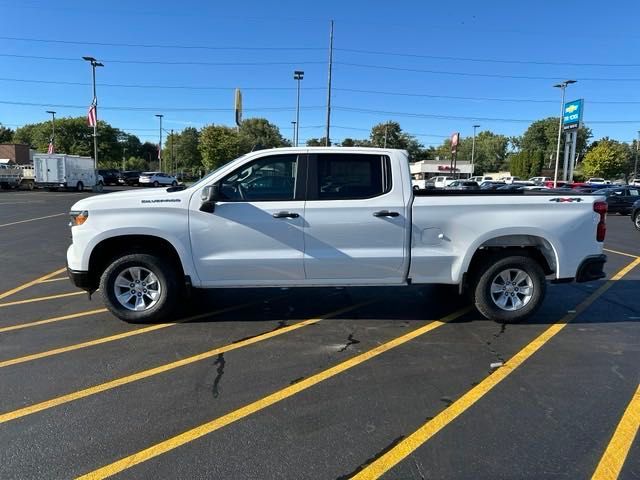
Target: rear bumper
[{"x": 591, "y": 268}]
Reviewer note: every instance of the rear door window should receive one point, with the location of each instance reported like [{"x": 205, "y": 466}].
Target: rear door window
[{"x": 350, "y": 176}]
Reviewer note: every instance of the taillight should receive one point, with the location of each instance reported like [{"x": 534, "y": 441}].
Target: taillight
[{"x": 601, "y": 209}]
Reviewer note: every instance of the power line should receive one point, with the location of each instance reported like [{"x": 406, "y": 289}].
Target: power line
[
  {"x": 409, "y": 133},
  {"x": 164, "y": 109},
  {"x": 486, "y": 75},
  {"x": 486, "y": 60},
  {"x": 153, "y": 45},
  {"x": 455, "y": 117},
  {"x": 162, "y": 62},
  {"x": 124, "y": 85}
]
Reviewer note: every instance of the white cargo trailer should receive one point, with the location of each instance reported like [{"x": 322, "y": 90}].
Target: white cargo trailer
[{"x": 65, "y": 171}]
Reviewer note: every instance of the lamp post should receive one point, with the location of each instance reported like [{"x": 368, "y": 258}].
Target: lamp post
[
  {"x": 159, "y": 115},
  {"x": 94, "y": 64},
  {"x": 635, "y": 165},
  {"x": 473, "y": 150},
  {"x": 53, "y": 129},
  {"x": 298, "y": 75},
  {"x": 562, "y": 86},
  {"x": 294, "y": 123}
]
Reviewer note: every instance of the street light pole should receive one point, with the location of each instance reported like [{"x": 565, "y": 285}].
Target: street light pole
[
  {"x": 295, "y": 139},
  {"x": 298, "y": 75},
  {"x": 473, "y": 150},
  {"x": 53, "y": 128},
  {"x": 159, "y": 115},
  {"x": 635, "y": 165},
  {"x": 94, "y": 64},
  {"x": 173, "y": 150},
  {"x": 563, "y": 87}
]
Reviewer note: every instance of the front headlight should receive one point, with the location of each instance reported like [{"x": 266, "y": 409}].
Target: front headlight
[{"x": 78, "y": 217}]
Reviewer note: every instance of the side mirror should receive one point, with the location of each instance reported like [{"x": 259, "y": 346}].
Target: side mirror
[{"x": 209, "y": 196}]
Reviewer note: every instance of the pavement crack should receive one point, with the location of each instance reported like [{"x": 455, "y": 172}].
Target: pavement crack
[
  {"x": 350, "y": 341},
  {"x": 372, "y": 459},
  {"x": 496, "y": 336},
  {"x": 221, "y": 362}
]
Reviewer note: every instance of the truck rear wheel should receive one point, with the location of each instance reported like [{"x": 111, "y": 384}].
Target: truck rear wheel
[
  {"x": 509, "y": 289},
  {"x": 139, "y": 288},
  {"x": 80, "y": 187}
]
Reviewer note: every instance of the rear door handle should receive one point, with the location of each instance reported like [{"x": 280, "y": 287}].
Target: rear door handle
[
  {"x": 385, "y": 213},
  {"x": 285, "y": 215}
]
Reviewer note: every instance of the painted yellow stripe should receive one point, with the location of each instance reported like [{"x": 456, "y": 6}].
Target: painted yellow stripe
[
  {"x": 620, "y": 253},
  {"x": 31, "y": 220},
  {"x": 234, "y": 416},
  {"x": 51, "y": 320},
  {"x": 41, "y": 299},
  {"x": 407, "y": 446},
  {"x": 112, "y": 338},
  {"x": 54, "y": 402},
  {"x": 31, "y": 283},
  {"x": 616, "y": 453},
  {"x": 54, "y": 280}
]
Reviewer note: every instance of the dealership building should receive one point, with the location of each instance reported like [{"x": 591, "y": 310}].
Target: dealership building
[{"x": 426, "y": 169}]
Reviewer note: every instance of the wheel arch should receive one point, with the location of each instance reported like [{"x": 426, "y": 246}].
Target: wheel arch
[{"x": 109, "y": 248}]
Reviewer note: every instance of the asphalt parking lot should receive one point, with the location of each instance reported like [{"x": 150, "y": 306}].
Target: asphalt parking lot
[{"x": 311, "y": 383}]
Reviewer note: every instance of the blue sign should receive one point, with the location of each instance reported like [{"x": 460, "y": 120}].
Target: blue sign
[{"x": 572, "y": 115}]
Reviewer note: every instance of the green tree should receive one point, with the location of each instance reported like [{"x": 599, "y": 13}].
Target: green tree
[
  {"x": 395, "y": 138},
  {"x": 149, "y": 152},
  {"x": 136, "y": 163},
  {"x": 218, "y": 145},
  {"x": 316, "y": 142},
  {"x": 6, "y": 134},
  {"x": 608, "y": 159},
  {"x": 491, "y": 151},
  {"x": 258, "y": 134},
  {"x": 354, "y": 142},
  {"x": 542, "y": 136}
]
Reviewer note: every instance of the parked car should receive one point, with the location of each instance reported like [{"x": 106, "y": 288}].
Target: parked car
[
  {"x": 620, "y": 200},
  {"x": 376, "y": 231},
  {"x": 491, "y": 185},
  {"x": 156, "y": 179},
  {"x": 463, "y": 185},
  {"x": 110, "y": 176},
  {"x": 540, "y": 180},
  {"x": 597, "y": 181},
  {"x": 510, "y": 180},
  {"x": 480, "y": 179},
  {"x": 129, "y": 177},
  {"x": 513, "y": 186},
  {"x": 634, "y": 182},
  {"x": 442, "y": 182},
  {"x": 635, "y": 214}
]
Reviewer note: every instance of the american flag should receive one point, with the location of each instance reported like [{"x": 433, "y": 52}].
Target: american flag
[
  {"x": 92, "y": 116},
  {"x": 51, "y": 148}
]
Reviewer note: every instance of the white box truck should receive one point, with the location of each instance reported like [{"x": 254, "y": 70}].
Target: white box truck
[{"x": 65, "y": 171}]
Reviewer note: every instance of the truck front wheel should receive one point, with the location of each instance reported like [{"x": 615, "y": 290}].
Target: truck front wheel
[
  {"x": 509, "y": 289},
  {"x": 139, "y": 288}
]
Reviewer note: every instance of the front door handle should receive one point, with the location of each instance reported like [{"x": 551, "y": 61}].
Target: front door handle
[
  {"x": 385, "y": 213},
  {"x": 285, "y": 215}
]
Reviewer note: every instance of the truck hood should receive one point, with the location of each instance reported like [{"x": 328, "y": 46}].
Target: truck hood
[{"x": 133, "y": 199}]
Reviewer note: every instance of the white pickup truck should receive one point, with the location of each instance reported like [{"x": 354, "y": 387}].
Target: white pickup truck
[{"x": 330, "y": 217}]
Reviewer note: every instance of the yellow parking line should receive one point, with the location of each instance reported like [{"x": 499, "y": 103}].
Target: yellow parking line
[
  {"x": 621, "y": 253},
  {"x": 51, "y": 320},
  {"x": 616, "y": 453},
  {"x": 54, "y": 402},
  {"x": 31, "y": 283},
  {"x": 31, "y": 220},
  {"x": 54, "y": 280},
  {"x": 407, "y": 446},
  {"x": 112, "y": 338},
  {"x": 278, "y": 396},
  {"x": 41, "y": 299}
]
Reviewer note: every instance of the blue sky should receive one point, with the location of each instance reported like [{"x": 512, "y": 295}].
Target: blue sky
[{"x": 483, "y": 47}]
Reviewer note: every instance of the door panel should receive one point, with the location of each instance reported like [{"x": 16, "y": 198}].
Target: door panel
[{"x": 343, "y": 238}]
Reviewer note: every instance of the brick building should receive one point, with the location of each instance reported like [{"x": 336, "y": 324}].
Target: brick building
[{"x": 15, "y": 152}]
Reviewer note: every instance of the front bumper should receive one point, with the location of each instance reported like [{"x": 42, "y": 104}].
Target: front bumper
[
  {"x": 81, "y": 279},
  {"x": 591, "y": 268}
]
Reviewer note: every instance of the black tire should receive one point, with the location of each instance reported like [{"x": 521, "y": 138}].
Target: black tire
[
  {"x": 174, "y": 184},
  {"x": 80, "y": 187},
  {"x": 166, "y": 276},
  {"x": 636, "y": 220},
  {"x": 156, "y": 184},
  {"x": 490, "y": 269}
]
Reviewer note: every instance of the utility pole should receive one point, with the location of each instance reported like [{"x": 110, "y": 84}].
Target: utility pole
[
  {"x": 160, "y": 144},
  {"x": 386, "y": 128},
  {"x": 473, "y": 150},
  {"x": 124, "y": 154},
  {"x": 173, "y": 152},
  {"x": 295, "y": 135},
  {"x": 563, "y": 87},
  {"x": 635, "y": 166},
  {"x": 298, "y": 75},
  {"x": 53, "y": 129},
  {"x": 94, "y": 64},
  {"x": 327, "y": 140}
]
